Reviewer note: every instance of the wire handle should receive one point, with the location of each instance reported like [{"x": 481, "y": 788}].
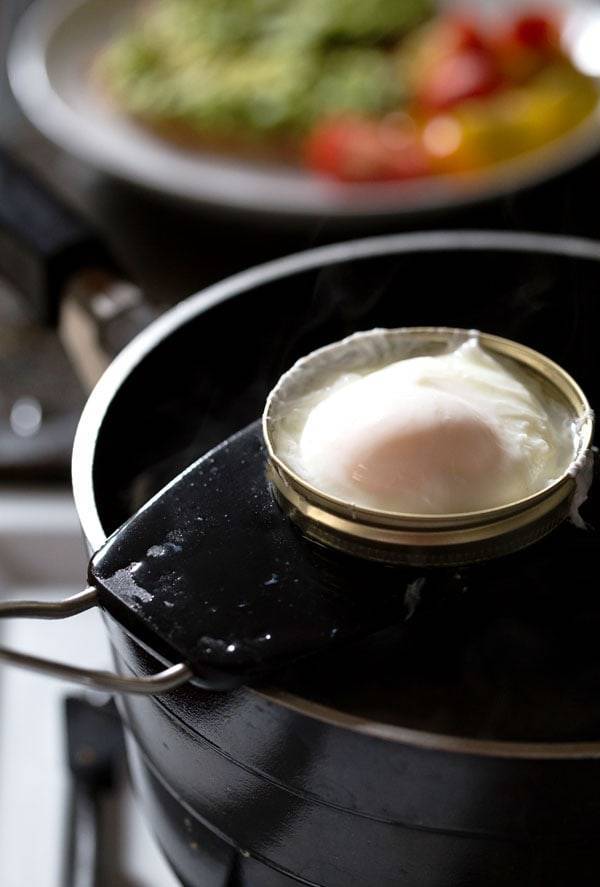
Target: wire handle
[{"x": 161, "y": 682}]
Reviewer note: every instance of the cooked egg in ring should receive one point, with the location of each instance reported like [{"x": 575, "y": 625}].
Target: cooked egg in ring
[{"x": 436, "y": 434}]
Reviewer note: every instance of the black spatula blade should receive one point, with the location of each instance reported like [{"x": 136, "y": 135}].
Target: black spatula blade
[{"x": 212, "y": 573}]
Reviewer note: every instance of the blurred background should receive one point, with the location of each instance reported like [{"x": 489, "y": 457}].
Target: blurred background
[{"x": 182, "y": 138}]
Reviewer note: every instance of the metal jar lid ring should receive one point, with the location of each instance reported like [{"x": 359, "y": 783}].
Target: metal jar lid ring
[{"x": 424, "y": 540}]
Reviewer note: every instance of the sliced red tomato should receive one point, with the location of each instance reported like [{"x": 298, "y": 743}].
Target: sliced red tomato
[
  {"x": 516, "y": 61},
  {"x": 359, "y": 150},
  {"x": 525, "y": 46},
  {"x": 458, "y": 33},
  {"x": 536, "y": 30},
  {"x": 463, "y": 75},
  {"x": 444, "y": 37}
]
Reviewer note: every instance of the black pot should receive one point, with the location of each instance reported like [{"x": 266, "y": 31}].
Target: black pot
[{"x": 317, "y": 781}]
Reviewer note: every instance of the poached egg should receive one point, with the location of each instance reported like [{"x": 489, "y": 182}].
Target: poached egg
[{"x": 445, "y": 434}]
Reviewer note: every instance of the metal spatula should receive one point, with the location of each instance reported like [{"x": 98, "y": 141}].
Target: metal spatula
[
  {"x": 212, "y": 575},
  {"x": 212, "y": 572}
]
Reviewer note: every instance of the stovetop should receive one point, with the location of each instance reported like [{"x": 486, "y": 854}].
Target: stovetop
[{"x": 42, "y": 556}]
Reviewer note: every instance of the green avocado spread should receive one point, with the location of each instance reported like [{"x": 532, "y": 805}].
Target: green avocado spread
[{"x": 259, "y": 69}]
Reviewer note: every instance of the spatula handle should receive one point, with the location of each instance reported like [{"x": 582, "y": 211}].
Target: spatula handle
[{"x": 162, "y": 682}]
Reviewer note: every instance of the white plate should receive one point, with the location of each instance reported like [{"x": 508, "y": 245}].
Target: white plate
[{"x": 49, "y": 62}]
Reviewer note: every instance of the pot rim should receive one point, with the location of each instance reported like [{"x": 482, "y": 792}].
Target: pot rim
[{"x": 84, "y": 447}]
